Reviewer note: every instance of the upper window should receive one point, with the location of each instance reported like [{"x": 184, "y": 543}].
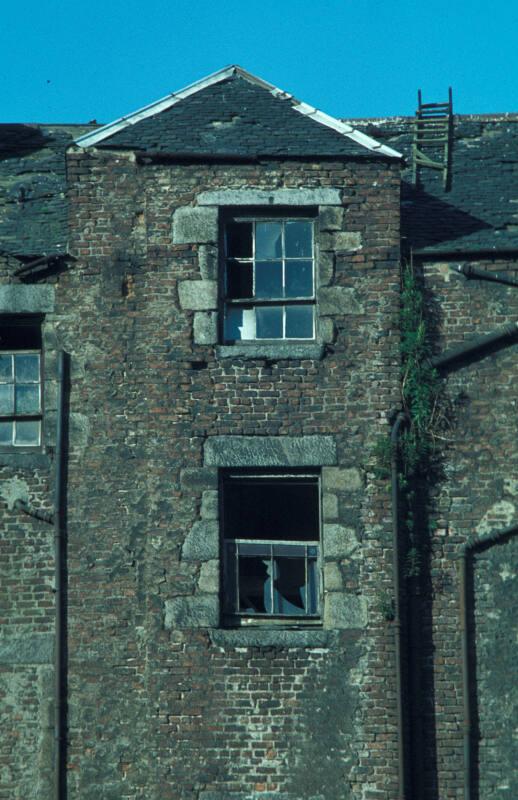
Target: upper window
[
  {"x": 269, "y": 282},
  {"x": 20, "y": 384},
  {"x": 271, "y": 544}
]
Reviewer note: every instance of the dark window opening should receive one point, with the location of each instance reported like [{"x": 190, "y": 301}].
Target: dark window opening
[
  {"x": 271, "y": 543},
  {"x": 20, "y": 382}
]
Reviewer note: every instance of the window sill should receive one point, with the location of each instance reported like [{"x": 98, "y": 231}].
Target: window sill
[
  {"x": 268, "y": 637},
  {"x": 30, "y": 459},
  {"x": 276, "y": 351}
]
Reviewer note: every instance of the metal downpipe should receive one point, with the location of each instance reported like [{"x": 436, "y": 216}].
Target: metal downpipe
[
  {"x": 59, "y": 650},
  {"x": 394, "y": 480},
  {"x": 505, "y": 332},
  {"x": 483, "y": 542}
]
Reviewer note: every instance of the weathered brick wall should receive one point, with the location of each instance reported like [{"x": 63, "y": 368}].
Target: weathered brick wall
[
  {"x": 161, "y": 710},
  {"x": 476, "y": 495}
]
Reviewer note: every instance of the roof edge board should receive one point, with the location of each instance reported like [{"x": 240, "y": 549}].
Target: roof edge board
[{"x": 216, "y": 77}]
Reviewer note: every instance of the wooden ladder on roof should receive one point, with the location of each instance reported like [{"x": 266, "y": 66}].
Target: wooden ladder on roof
[{"x": 433, "y": 125}]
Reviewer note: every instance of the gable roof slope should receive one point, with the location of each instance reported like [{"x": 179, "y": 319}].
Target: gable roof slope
[{"x": 232, "y": 112}]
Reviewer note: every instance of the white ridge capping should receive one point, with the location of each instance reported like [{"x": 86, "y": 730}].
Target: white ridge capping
[{"x": 170, "y": 100}]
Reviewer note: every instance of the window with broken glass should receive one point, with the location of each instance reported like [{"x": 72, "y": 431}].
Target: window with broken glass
[
  {"x": 20, "y": 384},
  {"x": 271, "y": 547},
  {"x": 269, "y": 281}
]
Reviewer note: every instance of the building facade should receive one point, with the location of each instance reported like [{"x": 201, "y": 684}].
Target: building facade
[{"x": 220, "y": 617}]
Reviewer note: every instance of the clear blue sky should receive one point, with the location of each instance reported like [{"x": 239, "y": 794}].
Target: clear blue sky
[{"x": 77, "y": 61}]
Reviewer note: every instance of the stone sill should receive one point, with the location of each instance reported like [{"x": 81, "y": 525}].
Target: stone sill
[
  {"x": 268, "y": 637},
  {"x": 274, "y": 352},
  {"x": 24, "y": 459}
]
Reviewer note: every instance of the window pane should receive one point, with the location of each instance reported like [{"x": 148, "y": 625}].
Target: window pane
[
  {"x": 299, "y": 239},
  {"x": 268, "y": 240},
  {"x": 239, "y": 279},
  {"x": 27, "y": 398},
  {"x": 312, "y": 588},
  {"x": 289, "y": 584},
  {"x": 239, "y": 323},
  {"x": 254, "y": 586},
  {"x": 299, "y": 322},
  {"x": 269, "y": 322},
  {"x": 6, "y": 368},
  {"x": 299, "y": 279},
  {"x": 6, "y": 398},
  {"x": 239, "y": 239},
  {"x": 268, "y": 279},
  {"x": 27, "y": 367},
  {"x": 6, "y": 432},
  {"x": 27, "y": 432},
  {"x": 275, "y": 510}
]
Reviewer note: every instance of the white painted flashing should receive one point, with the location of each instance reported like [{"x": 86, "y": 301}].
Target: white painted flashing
[{"x": 172, "y": 99}]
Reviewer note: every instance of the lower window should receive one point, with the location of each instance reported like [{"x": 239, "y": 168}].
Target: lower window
[
  {"x": 271, "y": 546},
  {"x": 20, "y": 383}
]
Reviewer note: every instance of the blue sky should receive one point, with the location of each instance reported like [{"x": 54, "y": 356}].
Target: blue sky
[{"x": 74, "y": 62}]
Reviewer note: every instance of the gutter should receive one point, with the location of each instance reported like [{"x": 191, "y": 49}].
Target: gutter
[
  {"x": 467, "y": 552},
  {"x": 469, "y": 271},
  {"x": 509, "y": 331},
  {"x": 401, "y": 418}
]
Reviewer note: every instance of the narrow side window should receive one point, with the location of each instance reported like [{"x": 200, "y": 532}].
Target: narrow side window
[{"x": 20, "y": 383}]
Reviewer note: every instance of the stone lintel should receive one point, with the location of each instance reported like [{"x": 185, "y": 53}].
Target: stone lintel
[
  {"x": 269, "y": 451},
  {"x": 26, "y": 299},
  {"x": 270, "y": 197}
]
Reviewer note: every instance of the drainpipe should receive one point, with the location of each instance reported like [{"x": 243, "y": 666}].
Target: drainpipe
[
  {"x": 484, "y": 274},
  {"x": 60, "y": 631},
  {"x": 505, "y": 332},
  {"x": 394, "y": 480},
  {"x": 468, "y": 550},
  {"x": 56, "y": 519}
]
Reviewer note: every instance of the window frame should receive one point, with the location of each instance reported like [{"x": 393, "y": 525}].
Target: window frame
[
  {"x": 263, "y": 215},
  {"x": 233, "y": 617},
  {"x": 12, "y": 323}
]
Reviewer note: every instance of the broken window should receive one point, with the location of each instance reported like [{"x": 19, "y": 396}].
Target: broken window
[
  {"x": 269, "y": 279},
  {"x": 20, "y": 383},
  {"x": 271, "y": 533}
]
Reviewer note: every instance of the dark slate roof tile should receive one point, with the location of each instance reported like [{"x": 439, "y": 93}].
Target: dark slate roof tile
[
  {"x": 235, "y": 117},
  {"x": 479, "y": 210},
  {"x": 33, "y": 213}
]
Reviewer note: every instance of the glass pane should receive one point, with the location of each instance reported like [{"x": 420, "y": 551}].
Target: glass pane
[
  {"x": 6, "y": 432},
  {"x": 229, "y": 584},
  {"x": 27, "y": 432},
  {"x": 239, "y": 323},
  {"x": 291, "y": 550},
  {"x": 289, "y": 585},
  {"x": 254, "y": 586},
  {"x": 6, "y": 368},
  {"x": 269, "y": 322},
  {"x": 27, "y": 368},
  {"x": 299, "y": 239},
  {"x": 27, "y": 398},
  {"x": 312, "y": 588},
  {"x": 299, "y": 322},
  {"x": 239, "y": 239},
  {"x": 299, "y": 279},
  {"x": 6, "y": 398},
  {"x": 240, "y": 281},
  {"x": 249, "y": 549},
  {"x": 268, "y": 279},
  {"x": 268, "y": 240}
]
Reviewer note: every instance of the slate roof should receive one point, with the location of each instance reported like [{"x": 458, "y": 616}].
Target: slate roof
[
  {"x": 479, "y": 212},
  {"x": 232, "y": 112},
  {"x": 33, "y": 213}
]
